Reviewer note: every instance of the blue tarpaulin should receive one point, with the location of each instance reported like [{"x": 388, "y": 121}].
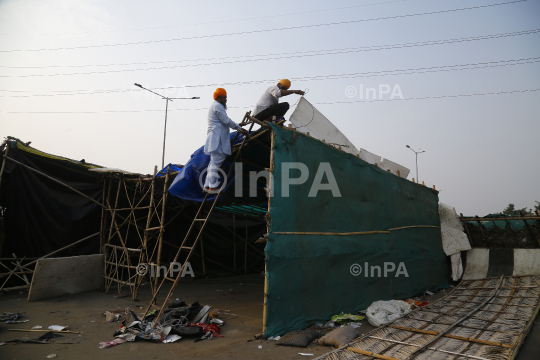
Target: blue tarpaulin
[
  {"x": 171, "y": 167},
  {"x": 188, "y": 184}
]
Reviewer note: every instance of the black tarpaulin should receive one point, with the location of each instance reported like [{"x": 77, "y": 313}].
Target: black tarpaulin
[{"x": 42, "y": 216}]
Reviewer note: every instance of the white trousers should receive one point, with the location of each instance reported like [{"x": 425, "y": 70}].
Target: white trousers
[{"x": 212, "y": 176}]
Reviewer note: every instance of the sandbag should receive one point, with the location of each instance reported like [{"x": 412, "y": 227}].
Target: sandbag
[
  {"x": 298, "y": 338},
  {"x": 339, "y": 337}
]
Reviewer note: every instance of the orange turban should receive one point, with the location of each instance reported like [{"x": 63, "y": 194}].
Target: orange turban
[
  {"x": 219, "y": 92},
  {"x": 286, "y": 83}
]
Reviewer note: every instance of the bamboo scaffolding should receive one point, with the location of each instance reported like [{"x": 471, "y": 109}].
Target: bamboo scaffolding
[
  {"x": 161, "y": 223},
  {"x": 207, "y": 259},
  {"x": 186, "y": 241},
  {"x": 145, "y": 259}
]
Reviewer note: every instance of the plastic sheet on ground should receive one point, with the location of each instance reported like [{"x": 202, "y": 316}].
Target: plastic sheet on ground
[{"x": 383, "y": 312}]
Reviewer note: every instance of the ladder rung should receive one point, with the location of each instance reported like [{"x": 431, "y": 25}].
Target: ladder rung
[
  {"x": 186, "y": 247},
  {"x": 200, "y": 220},
  {"x": 157, "y": 307},
  {"x": 168, "y": 278}
]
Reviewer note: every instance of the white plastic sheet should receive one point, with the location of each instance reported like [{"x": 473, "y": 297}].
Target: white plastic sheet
[
  {"x": 383, "y": 312},
  {"x": 306, "y": 118},
  {"x": 454, "y": 240}
]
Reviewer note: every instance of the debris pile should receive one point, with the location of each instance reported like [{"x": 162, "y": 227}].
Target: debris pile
[
  {"x": 178, "y": 321},
  {"x": 11, "y": 318}
]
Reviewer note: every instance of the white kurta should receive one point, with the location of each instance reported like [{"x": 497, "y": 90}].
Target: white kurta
[
  {"x": 218, "y": 135},
  {"x": 269, "y": 97}
]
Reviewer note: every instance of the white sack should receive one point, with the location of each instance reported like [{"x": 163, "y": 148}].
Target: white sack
[{"x": 383, "y": 312}]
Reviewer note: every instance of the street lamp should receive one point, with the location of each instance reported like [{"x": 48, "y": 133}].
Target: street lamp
[
  {"x": 416, "y": 153},
  {"x": 167, "y": 99}
]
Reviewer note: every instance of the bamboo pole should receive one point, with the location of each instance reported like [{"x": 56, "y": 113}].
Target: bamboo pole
[
  {"x": 246, "y": 249},
  {"x": 102, "y": 235},
  {"x": 49, "y": 254},
  {"x": 4, "y": 161},
  {"x": 145, "y": 258},
  {"x": 161, "y": 222},
  {"x": 202, "y": 250},
  {"x": 445, "y": 332},
  {"x": 500, "y": 219},
  {"x": 61, "y": 183},
  {"x": 270, "y": 191},
  {"x": 113, "y": 214},
  {"x": 330, "y": 233},
  {"x": 434, "y": 349},
  {"x": 377, "y": 356},
  {"x": 226, "y": 228},
  {"x": 19, "y": 267},
  {"x": 191, "y": 249},
  {"x": 223, "y": 237},
  {"x": 435, "y": 318},
  {"x": 234, "y": 240},
  {"x": 55, "y": 180},
  {"x": 54, "y": 331},
  {"x": 207, "y": 259},
  {"x": 485, "y": 342},
  {"x": 61, "y": 249},
  {"x": 104, "y": 249},
  {"x": 523, "y": 334}
]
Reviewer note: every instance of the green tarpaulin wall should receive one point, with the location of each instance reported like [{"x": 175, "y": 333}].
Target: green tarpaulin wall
[{"x": 310, "y": 277}]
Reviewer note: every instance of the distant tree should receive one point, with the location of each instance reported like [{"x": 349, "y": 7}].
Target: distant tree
[
  {"x": 537, "y": 206},
  {"x": 511, "y": 210}
]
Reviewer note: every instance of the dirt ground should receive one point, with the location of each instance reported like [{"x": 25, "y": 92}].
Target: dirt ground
[{"x": 83, "y": 313}]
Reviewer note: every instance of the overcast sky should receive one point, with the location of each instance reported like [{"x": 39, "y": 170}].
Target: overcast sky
[{"x": 481, "y": 151}]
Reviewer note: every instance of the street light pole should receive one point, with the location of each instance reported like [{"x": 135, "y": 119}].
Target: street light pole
[
  {"x": 416, "y": 153},
  {"x": 167, "y": 99}
]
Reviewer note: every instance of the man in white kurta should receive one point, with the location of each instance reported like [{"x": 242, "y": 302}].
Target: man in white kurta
[{"x": 218, "y": 142}]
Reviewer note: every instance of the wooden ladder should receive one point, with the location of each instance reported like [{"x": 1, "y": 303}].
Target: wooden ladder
[{"x": 184, "y": 246}]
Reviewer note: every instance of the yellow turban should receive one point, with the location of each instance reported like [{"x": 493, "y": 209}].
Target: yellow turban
[
  {"x": 286, "y": 83},
  {"x": 219, "y": 92}
]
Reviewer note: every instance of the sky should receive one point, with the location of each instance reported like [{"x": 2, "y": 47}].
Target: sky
[{"x": 468, "y": 73}]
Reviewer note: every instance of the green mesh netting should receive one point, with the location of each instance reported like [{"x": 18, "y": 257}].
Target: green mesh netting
[{"x": 309, "y": 276}]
